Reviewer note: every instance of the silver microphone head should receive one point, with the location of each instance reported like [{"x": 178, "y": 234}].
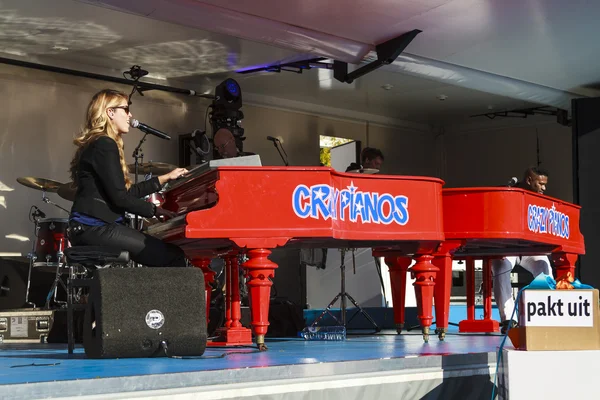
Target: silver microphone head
[{"x": 134, "y": 123}]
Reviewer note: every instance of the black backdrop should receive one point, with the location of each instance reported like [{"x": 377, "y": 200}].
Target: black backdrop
[{"x": 586, "y": 183}]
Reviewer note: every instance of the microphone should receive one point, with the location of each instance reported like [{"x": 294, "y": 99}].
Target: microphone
[
  {"x": 512, "y": 182},
  {"x": 134, "y": 123},
  {"x": 272, "y": 139}
]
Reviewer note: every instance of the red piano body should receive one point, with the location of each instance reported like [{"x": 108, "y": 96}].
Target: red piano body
[
  {"x": 226, "y": 211},
  {"x": 492, "y": 222}
]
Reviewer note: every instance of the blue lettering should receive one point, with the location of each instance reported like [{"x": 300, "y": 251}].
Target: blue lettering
[
  {"x": 324, "y": 201},
  {"x": 543, "y": 222},
  {"x": 300, "y": 195},
  {"x": 333, "y": 202},
  {"x": 371, "y": 200},
  {"x": 344, "y": 203},
  {"x": 319, "y": 194},
  {"x": 547, "y": 220},
  {"x": 401, "y": 211},
  {"x": 383, "y": 200},
  {"x": 359, "y": 207}
]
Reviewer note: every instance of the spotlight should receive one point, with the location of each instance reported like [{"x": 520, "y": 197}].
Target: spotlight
[
  {"x": 228, "y": 94},
  {"x": 226, "y": 111}
]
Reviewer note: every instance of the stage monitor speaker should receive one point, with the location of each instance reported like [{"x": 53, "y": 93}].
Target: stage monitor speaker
[{"x": 135, "y": 312}]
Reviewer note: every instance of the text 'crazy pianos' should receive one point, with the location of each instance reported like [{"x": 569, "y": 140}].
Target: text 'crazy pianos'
[
  {"x": 548, "y": 220},
  {"x": 324, "y": 201}
]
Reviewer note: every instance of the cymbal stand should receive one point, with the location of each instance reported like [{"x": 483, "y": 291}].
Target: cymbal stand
[
  {"x": 48, "y": 201},
  {"x": 57, "y": 278},
  {"x": 342, "y": 295},
  {"x": 32, "y": 258}
]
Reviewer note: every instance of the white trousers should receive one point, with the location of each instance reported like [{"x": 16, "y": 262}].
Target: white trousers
[{"x": 501, "y": 269}]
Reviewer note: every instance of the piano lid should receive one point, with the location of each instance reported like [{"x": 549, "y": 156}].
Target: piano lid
[
  {"x": 200, "y": 169},
  {"x": 499, "y": 215}
]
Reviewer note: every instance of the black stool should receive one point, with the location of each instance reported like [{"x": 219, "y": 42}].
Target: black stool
[{"x": 90, "y": 258}]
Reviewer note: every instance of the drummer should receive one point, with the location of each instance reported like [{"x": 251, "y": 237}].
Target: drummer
[{"x": 105, "y": 191}]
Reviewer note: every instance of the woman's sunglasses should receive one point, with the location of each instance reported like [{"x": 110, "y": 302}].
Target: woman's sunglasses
[{"x": 126, "y": 108}]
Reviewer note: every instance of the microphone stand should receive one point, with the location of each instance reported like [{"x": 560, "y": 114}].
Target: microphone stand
[
  {"x": 137, "y": 156},
  {"x": 279, "y": 151}
]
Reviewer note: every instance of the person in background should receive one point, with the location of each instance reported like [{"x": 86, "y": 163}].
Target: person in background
[
  {"x": 226, "y": 145},
  {"x": 370, "y": 158},
  {"x": 535, "y": 180}
]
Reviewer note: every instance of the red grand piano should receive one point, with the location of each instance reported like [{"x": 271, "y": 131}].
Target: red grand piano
[
  {"x": 226, "y": 211},
  {"x": 493, "y": 222},
  {"x": 490, "y": 222}
]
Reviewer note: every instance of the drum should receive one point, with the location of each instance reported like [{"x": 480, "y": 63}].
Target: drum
[{"x": 51, "y": 234}]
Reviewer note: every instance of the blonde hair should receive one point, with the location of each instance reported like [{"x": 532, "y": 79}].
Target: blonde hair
[{"x": 98, "y": 124}]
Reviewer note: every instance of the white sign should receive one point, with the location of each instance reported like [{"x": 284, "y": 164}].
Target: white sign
[
  {"x": 19, "y": 327},
  {"x": 554, "y": 308}
]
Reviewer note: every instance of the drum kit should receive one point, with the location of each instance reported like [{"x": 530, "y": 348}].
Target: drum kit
[{"x": 51, "y": 233}]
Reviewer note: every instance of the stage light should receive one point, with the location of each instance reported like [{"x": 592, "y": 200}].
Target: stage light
[
  {"x": 226, "y": 113},
  {"x": 232, "y": 88},
  {"x": 228, "y": 95}
]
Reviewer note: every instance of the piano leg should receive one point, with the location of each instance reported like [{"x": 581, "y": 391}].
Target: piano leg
[
  {"x": 564, "y": 263},
  {"x": 443, "y": 286},
  {"x": 260, "y": 271},
  {"x": 424, "y": 272},
  {"x": 487, "y": 324},
  {"x": 229, "y": 290},
  {"x": 209, "y": 277},
  {"x": 398, "y": 267},
  {"x": 233, "y": 333}
]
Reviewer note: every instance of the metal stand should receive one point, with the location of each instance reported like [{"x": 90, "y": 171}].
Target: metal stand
[
  {"x": 48, "y": 201},
  {"x": 275, "y": 142},
  {"x": 32, "y": 257},
  {"x": 57, "y": 279},
  {"x": 342, "y": 295},
  {"x": 137, "y": 156}
]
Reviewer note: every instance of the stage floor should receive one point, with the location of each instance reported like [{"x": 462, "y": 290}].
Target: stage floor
[{"x": 37, "y": 370}]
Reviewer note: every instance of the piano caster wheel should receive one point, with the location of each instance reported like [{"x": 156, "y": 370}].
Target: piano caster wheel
[
  {"x": 426, "y": 334},
  {"x": 260, "y": 342},
  {"x": 399, "y": 328},
  {"x": 441, "y": 332}
]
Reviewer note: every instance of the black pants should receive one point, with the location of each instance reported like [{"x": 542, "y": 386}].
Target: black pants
[{"x": 143, "y": 249}]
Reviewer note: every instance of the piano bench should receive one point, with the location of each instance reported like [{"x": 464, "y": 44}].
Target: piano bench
[{"x": 95, "y": 256}]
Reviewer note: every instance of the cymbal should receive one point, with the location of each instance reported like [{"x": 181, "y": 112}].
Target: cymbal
[
  {"x": 67, "y": 191},
  {"x": 47, "y": 185},
  {"x": 154, "y": 168}
]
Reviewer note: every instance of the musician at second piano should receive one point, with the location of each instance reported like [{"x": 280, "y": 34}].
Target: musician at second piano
[
  {"x": 105, "y": 191},
  {"x": 535, "y": 180},
  {"x": 370, "y": 158},
  {"x": 227, "y": 146}
]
